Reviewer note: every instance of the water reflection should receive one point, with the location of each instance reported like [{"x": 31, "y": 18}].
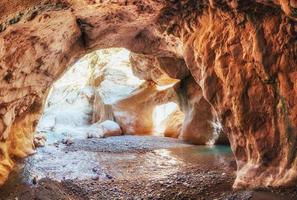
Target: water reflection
[{"x": 56, "y": 164}]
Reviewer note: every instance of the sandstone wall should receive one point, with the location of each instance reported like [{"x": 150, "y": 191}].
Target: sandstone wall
[{"x": 241, "y": 53}]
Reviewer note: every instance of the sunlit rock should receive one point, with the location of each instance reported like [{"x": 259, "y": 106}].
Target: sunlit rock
[
  {"x": 161, "y": 113},
  {"x": 69, "y": 106},
  {"x": 147, "y": 68},
  {"x": 196, "y": 128},
  {"x": 242, "y": 55},
  {"x": 134, "y": 113},
  {"x": 173, "y": 124},
  {"x": 39, "y": 140},
  {"x": 104, "y": 129},
  {"x": 126, "y": 99}
]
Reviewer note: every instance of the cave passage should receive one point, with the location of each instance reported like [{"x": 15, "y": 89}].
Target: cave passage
[
  {"x": 81, "y": 139},
  {"x": 83, "y": 103},
  {"x": 230, "y": 66}
]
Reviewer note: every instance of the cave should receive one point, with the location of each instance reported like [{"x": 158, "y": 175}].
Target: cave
[
  {"x": 230, "y": 66},
  {"x": 89, "y": 93}
]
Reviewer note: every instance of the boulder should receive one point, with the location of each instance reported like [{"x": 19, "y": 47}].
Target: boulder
[{"x": 104, "y": 129}]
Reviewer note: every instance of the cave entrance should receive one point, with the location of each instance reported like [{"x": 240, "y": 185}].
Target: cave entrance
[{"x": 99, "y": 96}]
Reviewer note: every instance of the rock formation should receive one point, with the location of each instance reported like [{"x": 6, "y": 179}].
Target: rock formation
[
  {"x": 173, "y": 124},
  {"x": 125, "y": 99},
  {"x": 135, "y": 111},
  {"x": 69, "y": 104},
  {"x": 39, "y": 140},
  {"x": 104, "y": 129},
  {"x": 245, "y": 64},
  {"x": 241, "y": 53},
  {"x": 93, "y": 89},
  {"x": 196, "y": 128},
  {"x": 147, "y": 68}
]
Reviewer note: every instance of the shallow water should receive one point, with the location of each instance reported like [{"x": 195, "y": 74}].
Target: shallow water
[
  {"x": 60, "y": 162},
  {"x": 129, "y": 158},
  {"x": 58, "y": 165}
]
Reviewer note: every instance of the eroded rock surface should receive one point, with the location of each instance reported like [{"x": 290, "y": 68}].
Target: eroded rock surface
[
  {"x": 122, "y": 97},
  {"x": 134, "y": 113},
  {"x": 104, "y": 129},
  {"x": 242, "y": 54},
  {"x": 173, "y": 124},
  {"x": 197, "y": 127},
  {"x": 147, "y": 68}
]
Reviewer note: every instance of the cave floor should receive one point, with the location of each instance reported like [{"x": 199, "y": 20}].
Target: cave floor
[{"x": 130, "y": 167}]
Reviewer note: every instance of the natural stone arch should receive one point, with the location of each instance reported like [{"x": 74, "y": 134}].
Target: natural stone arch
[
  {"x": 242, "y": 54},
  {"x": 39, "y": 48}
]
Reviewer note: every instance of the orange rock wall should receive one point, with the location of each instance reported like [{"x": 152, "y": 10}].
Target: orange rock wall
[{"x": 241, "y": 53}]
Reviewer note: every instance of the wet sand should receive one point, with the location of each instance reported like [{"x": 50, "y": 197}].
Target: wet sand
[{"x": 130, "y": 167}]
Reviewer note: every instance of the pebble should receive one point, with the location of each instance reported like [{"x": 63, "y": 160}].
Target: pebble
[
  {"x": 67, "y": 141},
  {"x": 109, "y": 176},
  {"x": 186, "y": 184},
  {"x": 34, "y": 181},
  {"x": 95, "y": 178}
]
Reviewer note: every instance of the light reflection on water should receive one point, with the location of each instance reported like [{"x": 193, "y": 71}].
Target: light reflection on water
[
  {"x": 58, "y": 165},
  {"x": 55, "y": 164}
]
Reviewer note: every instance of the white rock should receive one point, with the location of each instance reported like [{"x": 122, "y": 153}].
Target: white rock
[{"x": 107, "y": 128}]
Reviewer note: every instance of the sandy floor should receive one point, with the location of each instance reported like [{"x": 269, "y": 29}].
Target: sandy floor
[{"x": 130, "y": 167}]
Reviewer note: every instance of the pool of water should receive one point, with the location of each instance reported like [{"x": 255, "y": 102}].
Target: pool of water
[{"x": 58, "y": 162}]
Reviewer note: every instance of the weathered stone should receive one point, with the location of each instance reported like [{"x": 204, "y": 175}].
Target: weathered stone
[
  {"x": 245, "y": 62},
  {"x": 147, "y": 68},
  {"x": 104, "y": 129},
  {"x": 39, "y": 140},
  {"x": 242, "y": 54},
  {"x": 196, "y": 128},
  {"x": 174, "y": 67},
  {"x": 134, "y": 112},
  {"x": 173, "y": 124}
]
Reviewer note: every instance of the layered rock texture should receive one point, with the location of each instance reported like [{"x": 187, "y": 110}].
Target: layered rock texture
[
  {"x": 122, "y": 97},
  {"x": 196, "y": 127},
  {"x": 173, "y": 124},
  {"x": 240, "y": 53}
]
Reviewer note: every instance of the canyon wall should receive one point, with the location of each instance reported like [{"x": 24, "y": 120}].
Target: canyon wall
[
  {"x": 68, "y": 106},
  {"x": 127, "y": 99},
  {"x": 241, "y": 54},
  {"x": 196, "y": 127}
]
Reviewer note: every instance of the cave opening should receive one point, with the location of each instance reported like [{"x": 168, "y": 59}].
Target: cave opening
[
  {"x": 110, "y": 93},
  {"x": 161, "y": 118},
  {"x": 85, "y": 102},
  {"x": 235, "y": 62}
]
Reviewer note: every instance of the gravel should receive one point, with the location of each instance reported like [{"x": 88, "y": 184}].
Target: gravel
[{"x": 125, "y": 144}]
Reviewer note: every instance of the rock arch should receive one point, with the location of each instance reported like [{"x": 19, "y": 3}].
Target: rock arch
[{"x": 241, "y": 53}]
